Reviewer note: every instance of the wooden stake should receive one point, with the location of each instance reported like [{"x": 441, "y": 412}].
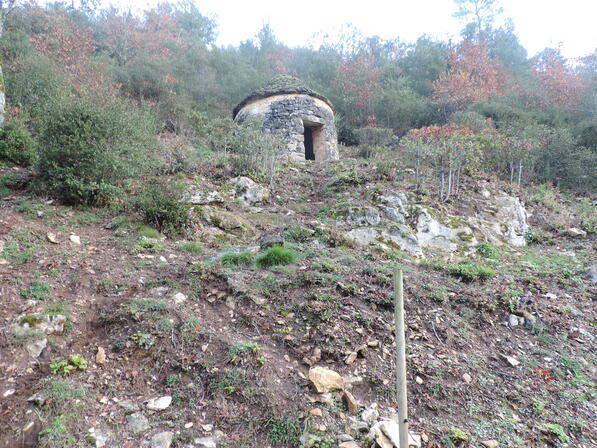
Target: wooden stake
[{"x": 400, "y": 359}]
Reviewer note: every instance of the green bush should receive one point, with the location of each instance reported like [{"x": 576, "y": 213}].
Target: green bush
[
  {"x": 488, "y": 250},
  {"x": 375, "y": 136},
  {"x": 275, "y": 256},
  {"x": 16, "y": 144},
  {"x": 90, "y": 147},
  {"x": 162, "y": 206}
]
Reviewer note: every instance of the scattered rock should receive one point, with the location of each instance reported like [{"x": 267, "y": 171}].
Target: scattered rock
[
  {"x": 38, "y": 323},
  {"x": 98, "y": 437},
  {"x": 370, "y": 414},
  {"x": 351, "y": 358},
  {"x": 385, "y": 433},
  {"x": 350, "y": 444},
  {"x": 159, "y": 404},
  {"x": 467, "y": 378},
  {"x": 161, "y": 440},
  {"x": 325, "y": 380},
  {"x": 248, "y": 191},
  {"x": 34, "y": 348},
  {"x": 351, "y": 402},
  {"x": 574, "y": 232},
  {"x": 414, "y": 440},
  {"x": 524, "y": 315},
  {"x": 100, "y": 356},
  {"x": 268, "y": 241},
  {"x": 490, "y": 443},
  {"x": 179, "y": 298},
  {"x": 203, "y": 197},
  {"x": 37, "y": 399},
  {"x": 316, "y": 412},
  {"x": 75, "y": 239},
  {"x": 513, "y": 320},
  {"x": 511, "y": 360},
  {"x": 129, "y": 406},
  {"x": 51, "y": 237},
  {"x": 226, "y": 221},
  {"x": 8, "y": 393},
  {"x": 206, "y": 442},
  {"x": 137, "y": 422}
]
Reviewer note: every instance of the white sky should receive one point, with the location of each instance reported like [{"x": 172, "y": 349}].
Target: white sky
[{"x": 538, "y": 23}]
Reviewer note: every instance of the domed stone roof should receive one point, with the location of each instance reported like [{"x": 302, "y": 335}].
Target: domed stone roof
[{"x": 280, "y": 85}]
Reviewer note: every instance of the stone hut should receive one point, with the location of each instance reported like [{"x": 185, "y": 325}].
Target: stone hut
[{"x": 303, "y": 118}]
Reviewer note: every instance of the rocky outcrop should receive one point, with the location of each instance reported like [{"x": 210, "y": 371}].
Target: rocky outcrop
[{"x": 393, "y": 222}]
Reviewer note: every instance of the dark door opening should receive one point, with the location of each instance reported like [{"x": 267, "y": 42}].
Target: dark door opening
[{"x": 309, "y": 153}]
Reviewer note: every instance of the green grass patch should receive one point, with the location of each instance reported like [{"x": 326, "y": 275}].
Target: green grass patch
[
  {"x": 32, "y": 209},
  {"x": 192, "y": 248},
  {"x": 149, "y": 246},
  {"x": 469, "y": 272},
  {"x": 84, "y": 219},
  {"x": 37, "y": 291},
  {"x": 276, "y": 256},
  {"x": 147, "y": 305},
  {"x": 149, "y": 232},
  {"x": 20, "y": 247},
  {"x": 237, "y": 259},
  {"x": 285, "y": 432},
  {"x": 488, "y": 250}
]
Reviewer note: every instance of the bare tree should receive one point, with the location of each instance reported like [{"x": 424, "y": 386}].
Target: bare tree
[{"x": 479, "y": 12}]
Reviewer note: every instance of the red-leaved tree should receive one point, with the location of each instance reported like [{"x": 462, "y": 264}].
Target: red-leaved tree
[
  {"x": 71, "y": 47},
  {"x": 557, "y": 85},
  {"x": 472, "y": 76},
  {"x": 360, "y": 77}
]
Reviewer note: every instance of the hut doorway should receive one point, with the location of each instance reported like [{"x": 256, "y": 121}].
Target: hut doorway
[{"x": 313, "y": 142}]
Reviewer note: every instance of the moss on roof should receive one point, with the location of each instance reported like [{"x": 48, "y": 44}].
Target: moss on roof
[{"x": 280, "y": 85}]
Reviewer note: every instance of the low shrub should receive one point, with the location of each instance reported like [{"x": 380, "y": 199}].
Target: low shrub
[
  {"x": 37, "y": 291},
  {"x": 254, "y": 153},
  {"x": 237, "y": 259},
  {"x": 162, "y": 206},
  {"x": 469, "y": 272},
  {"x": 275, "y": 256},
  {"x": 16, "y": 144},
  {"x": 90, "y": 148},
  {"x": 488, "y": 250}
]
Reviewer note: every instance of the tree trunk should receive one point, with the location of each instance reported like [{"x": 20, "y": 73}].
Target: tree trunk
[
  {"x": 519, "y": 171},
  {"x": 449, "y": 189}
]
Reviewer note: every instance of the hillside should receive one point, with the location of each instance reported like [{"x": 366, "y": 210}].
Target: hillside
[{"x": 500, "y": 336}]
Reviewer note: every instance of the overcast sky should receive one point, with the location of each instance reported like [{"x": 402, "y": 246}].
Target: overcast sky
[{"x": 539, "y": 23}]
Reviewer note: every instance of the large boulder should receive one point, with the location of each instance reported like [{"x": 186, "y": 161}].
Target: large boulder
[
  {"x": 225, "y": 221},
  {"x": 325, "y": 380},
  {"x": 248, "y": 191}
]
